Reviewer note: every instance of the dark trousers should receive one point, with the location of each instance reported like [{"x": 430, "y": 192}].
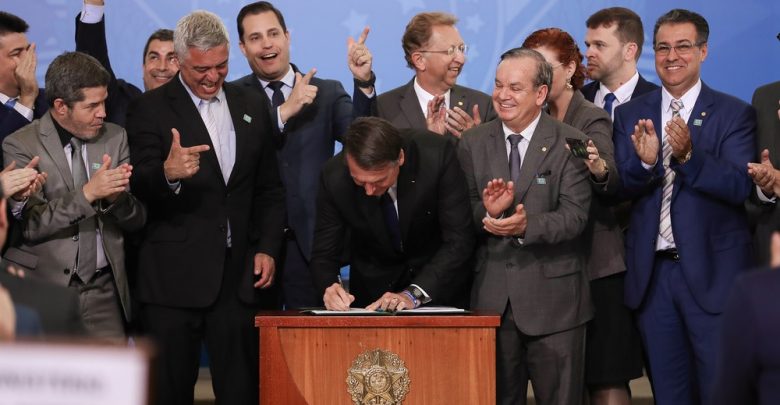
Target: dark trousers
[
  {"x": 679, "y": 336},
  {"x": 226, "y": 327},
  {"x": 298, "y": 289},
  {"x": 554, "y": 363}
]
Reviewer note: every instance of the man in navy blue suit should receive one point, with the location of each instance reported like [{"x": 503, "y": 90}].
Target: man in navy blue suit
[
  {"x": 20, "y": 99},
  {"x": 682, "y": 152},
  {"x": 613, "y": 42},
  {"x": 311, "y": 115}
]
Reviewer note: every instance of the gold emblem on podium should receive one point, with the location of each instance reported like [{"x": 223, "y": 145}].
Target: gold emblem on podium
[{"x": 378, "y": 377}]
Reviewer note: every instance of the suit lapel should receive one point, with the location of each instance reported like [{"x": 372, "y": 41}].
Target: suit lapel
[
  {"x": 537, "y": 151},
  {"x": 496, "y": 146},
  {"x": 407, "y": 180},
  {"x": 51, "y": 142},
  {"x": 410, "y": 107},
  {"x": 241, "y": 125},
  {"x": 194, "y": 131}
]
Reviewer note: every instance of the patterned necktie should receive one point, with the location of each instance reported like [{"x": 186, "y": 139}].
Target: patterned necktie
[
  {"x": 10, "y": 103},
  {"x": 514, "y": 158},
  {"x": 608, "y": 100},
  {"x": 278, "y": 97},
  {"x": 391, "y": 220},
  {"x": 206, "y": 109},
  {"x": 87, "y": 254},
  {"x": 665, "y": 229}
]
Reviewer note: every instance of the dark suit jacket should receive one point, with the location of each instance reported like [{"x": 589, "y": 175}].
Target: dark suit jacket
[
  {"x": 401, "y": 107},
  {"x": 11, "y": 120},
  {"x": 433, "y": 211},
  {"x": 91, "y": 39},
  {"x": 765, "y": 217},
  {"x": 308, "y": 141},
  {"x": 603, "y": 237},
  {"x": 748, "y": 369},
  {"x": 544, "y": 278},
  {"x": 182, "y": 256},
  {"x": 57, "y": 306},
  {"x": 642, "y": 87},
  {"x": 708, "y": 214}
]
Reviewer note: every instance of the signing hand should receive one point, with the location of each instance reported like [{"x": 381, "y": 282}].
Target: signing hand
[
  {"x": 264, "y": 268},
  {"x": 512, "y": 226},
  {"x": 391, "y": 302},
  {"x": 645, "y": 141},
  {"x": 336, "y": 298},
  {"x": 497, "y": 196},
  {"x": 359, "y": 58},
  {"x": 459, "y": 121},
  {"x": 182, "y": 163},
  {"x": 107, "y": 183},
  {"x": 302, "y": 94},
  {"x": 679, "y": 137}
]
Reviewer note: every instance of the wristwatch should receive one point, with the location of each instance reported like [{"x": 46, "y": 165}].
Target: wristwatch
[
  {"x": 365, "y": 84},
  {"x": 418, "y": 294}
]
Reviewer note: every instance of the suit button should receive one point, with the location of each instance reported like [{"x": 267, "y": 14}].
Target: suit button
[
  {"x": 75, "y": 237},
  {"x": 66, "y": 271}
]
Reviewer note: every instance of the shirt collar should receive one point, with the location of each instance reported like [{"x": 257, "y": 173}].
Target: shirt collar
[
  {"x": 63, "y": 133},
  {"x": 424, "y": 97},
  {"x": 688, "y": 99},
  {"x": 622, "y": 93},
  {"x": 526, "y": 133},
  {"x": 196, "y": 100},
  {"x": 288, "y": 79}
]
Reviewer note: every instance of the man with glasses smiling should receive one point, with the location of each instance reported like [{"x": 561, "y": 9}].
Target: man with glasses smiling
[
  {"x": 682, "y": 153},
  {"x": 435, "y": 50}
]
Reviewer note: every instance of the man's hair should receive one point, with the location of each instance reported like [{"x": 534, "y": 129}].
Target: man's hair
[
  {"x": 200, "y": 29},
  {"x": 682, "y": 16},
  {"x": 256, "y": 8},
  {"x": 565, "y": 48},
  {"x": 10, "y": 23},
  {"x": 372, "y": 142},
  {"x": 70, "y": 73},
  {"x": 629, "y": 25},
  {"x": 419, "y": 30},
  {"x": 163, "y": 34},
  {"x": 543, "y": 69}
]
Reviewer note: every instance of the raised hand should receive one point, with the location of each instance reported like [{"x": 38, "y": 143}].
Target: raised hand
[
  {"x": 25, "y": 76},
  {"x": 596, "y": 165},
  {"x": 497, "y": 196},
  {"x": 359, "y": 58},
  {"x": 106, "y": 182},
  {"x": 646, "y": 141},
  {"x": 436, "y": 118},
  {"x": 182, "y": 163},
  {"x": 764, "y": 175},
  {"x": 679, "y": 137},
  {"x": 302, "y": 94},
  {"x": 459, "y": 120},
  {"x": 514, "y": 225}
]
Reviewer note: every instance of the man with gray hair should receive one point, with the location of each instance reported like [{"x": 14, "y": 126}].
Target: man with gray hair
[
  {"x": 530, "y": 211},
  {"x": 206, "y": 168},
  {"x": 72, "y": 228}
]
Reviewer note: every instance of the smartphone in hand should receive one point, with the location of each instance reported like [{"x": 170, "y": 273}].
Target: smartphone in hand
[{"x": 578, "y": 147}]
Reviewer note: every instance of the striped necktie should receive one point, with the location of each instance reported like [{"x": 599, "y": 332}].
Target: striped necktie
[{"x": 665, "y": 229}]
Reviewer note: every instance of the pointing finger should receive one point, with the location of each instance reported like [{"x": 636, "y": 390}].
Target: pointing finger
[{"x": 363, "y": 36}]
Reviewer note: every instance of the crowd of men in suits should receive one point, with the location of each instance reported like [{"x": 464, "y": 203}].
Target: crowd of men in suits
[{"x": 179, "y": 211}]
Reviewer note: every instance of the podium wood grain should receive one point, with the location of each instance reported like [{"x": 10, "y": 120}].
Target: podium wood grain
[{"x": 304, "y": 359}]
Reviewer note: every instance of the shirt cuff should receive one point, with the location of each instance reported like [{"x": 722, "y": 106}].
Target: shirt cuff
[
  {"x": 763, "y": 198},
  {"x": 26, "y": 112},
  {"x": 175, "y": 186},
  {"x": 279, "y": 118},
  {"x": 17, "y": 207},
  {"x": 425, "y": 294},
  {"x": 91, "y": 13},
  {"x": 647, "y": 166}
]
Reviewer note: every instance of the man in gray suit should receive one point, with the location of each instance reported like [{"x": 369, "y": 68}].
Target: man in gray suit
[
  {"x": 434, "y": 49},
  {"x": 72, "y": 228},
  {"x": 530, "y": 267}
]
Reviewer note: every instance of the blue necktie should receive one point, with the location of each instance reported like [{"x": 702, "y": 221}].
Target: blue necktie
[
  {"x": 514, "y": 158},
  {"x": 391, "y": 221},
  {"x": 608, "y": 100},
  {"x": 10, "y": 103},
  {"x": 277, "y": 98}
]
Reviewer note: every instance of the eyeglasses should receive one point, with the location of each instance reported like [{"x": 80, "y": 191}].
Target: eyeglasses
[
  {"x": 682, "y": 49},
  {"x": 462, "y": 48}
]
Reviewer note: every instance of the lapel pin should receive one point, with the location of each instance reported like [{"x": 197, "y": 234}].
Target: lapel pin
[
  {"x": 544, "y": 149},
  {"x": 95, "y": 166},
  {"x": 704, "y": 113},
  {"x": 541, "y": 180},
  {"x": 248, "y": 119},
  {"x": 697, "y": 122},
  {"x": 460, "y": 103}
]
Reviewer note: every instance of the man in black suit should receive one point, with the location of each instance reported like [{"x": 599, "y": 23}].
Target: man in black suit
[
  {"x": 397, "y": 199},
  {"x": 614, "y": 41},
  {"x": 311, "y": 114},
  {"x": 206, "y": 169},
  {"x": 21, "y": 101},
  {"x": 434, "y": 49}
]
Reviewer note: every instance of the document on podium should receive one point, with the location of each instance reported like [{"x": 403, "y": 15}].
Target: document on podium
[{"x": 433, "y": 310}]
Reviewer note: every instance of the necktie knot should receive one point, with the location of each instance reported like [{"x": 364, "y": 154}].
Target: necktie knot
[
  {"x": 609, "y": 99},
  {"x": 10, "y": 103},
  {"x": 75, "y": 144},
  {"x": 515, "y": 139},
  {"x": 275, "y": 85},
  {"x": 676, "y": 106},
  {"x": 277, "y": 98}
]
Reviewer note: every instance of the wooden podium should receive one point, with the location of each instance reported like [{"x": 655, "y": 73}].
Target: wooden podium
[{"x": 306, "y": 359}]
